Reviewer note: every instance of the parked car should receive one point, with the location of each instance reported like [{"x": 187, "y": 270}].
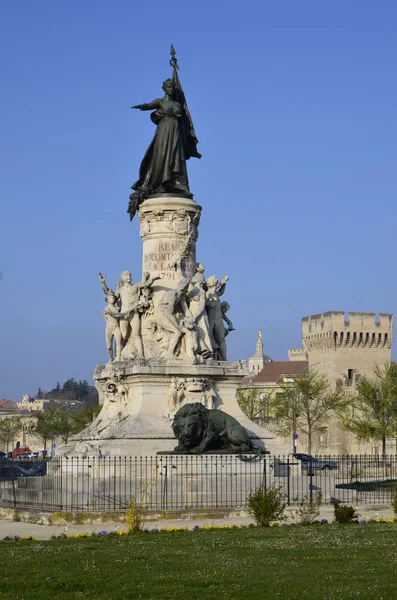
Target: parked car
[
  {"x": 18, "y": 452},
  {"x": 310, "y": 464},
  {"x": 3, "y": 454}
]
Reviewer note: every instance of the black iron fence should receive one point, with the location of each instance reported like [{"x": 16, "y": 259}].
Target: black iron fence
[{"x": 178, "y": 482}]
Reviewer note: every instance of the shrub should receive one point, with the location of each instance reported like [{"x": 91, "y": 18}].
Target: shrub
[
  {"x": 135, "y": 516},
  {"x": 266, "y": 505},
  {"x": 309, "y": 512},
  {"x": 394, "y": 500},
  {"x": 345, "y": 513}
]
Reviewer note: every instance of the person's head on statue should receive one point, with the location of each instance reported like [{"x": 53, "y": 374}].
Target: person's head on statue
[
  {"x": 212, "y": 282},
  {"x": 111, "y": 298},
  {"x": 168, "y": 87},
  {"x": 198, "y": 279},
  {"x": 225, "y": 306},
  {"x": 126, "y": 277}
]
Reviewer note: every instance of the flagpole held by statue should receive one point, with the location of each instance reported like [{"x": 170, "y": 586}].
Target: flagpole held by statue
[{"x": 163, "y": 168}]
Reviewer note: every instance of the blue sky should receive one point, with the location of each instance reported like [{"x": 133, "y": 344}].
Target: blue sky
[{"x": 294, "y": 104}]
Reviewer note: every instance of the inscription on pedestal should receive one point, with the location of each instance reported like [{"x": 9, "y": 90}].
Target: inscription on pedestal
[
  {"x": 169, "y": 233},
  {"x": 160, "y": 257}
]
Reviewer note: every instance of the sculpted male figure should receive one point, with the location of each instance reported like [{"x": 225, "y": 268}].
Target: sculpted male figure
[
  {"x": 225, "y": 306},
  {"x": 112, "y": 326},
  {"x": 215, "y": 289},
  {"x": 165, "y": 317},
  {"x": 128, "y": 295}
]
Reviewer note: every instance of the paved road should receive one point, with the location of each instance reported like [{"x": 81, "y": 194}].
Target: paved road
[{"x": 44, "y": 532}]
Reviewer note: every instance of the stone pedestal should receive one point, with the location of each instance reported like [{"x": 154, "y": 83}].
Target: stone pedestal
[
  {"x": 141, "y": 395},
  {"x": 169, "y": 230},
  {"x": 139, "y": 399}
]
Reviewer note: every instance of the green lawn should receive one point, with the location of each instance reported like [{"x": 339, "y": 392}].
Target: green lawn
[{"x": 317, "y": 562}]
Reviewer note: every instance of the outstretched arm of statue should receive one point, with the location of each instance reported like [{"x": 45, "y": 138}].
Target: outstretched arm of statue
[
  {"x": 148, "y": 105},
  {"x": 222, "y": 285},
  {"x": 149, "y": 282},
  {"x": 118, "y": 315},
  {"x": 102, "y": 279}
]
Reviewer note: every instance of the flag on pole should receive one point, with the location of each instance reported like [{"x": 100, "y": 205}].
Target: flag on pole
[{"x": 192, "y": 140}]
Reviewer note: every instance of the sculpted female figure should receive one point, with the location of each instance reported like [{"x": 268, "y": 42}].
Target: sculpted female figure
[
  {"x": 163, "y": 168},
  {"x": 196, "y": 299}
]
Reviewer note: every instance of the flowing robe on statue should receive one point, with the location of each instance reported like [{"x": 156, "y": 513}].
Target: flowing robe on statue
[{"x": 163, "y": 168}]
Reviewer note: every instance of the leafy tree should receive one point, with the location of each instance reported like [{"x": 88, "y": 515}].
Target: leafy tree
[
  {"x": 63, "y": 423},
  {"x": 372, "y": 412},
  {"x": 70, "y": 390},
  {"x": 82, "y": 388},
  {"x": 65, "y": 426},
  {"x": 45, "y": 426},
  {"x": 309, "y": 401},
  {"x": 83, "y": 418},
  {"x": 10, "y": 428},
  {"x": 252, "y": 402}
]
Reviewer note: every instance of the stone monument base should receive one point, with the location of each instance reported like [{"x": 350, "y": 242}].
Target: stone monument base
[{"x": 139, "y": 398}]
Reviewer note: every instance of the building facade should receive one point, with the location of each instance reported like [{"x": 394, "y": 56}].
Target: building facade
[{"x": 343, "y": 348}]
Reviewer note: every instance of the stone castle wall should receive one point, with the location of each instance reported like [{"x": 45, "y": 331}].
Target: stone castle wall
[
  {"x": 345, "y": 348},
  {"x": 297, "y": 354}
]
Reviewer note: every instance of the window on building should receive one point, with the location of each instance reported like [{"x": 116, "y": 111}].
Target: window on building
[
  {"x": 322, "y": 437},
  {"x": 350, "y": 374}
]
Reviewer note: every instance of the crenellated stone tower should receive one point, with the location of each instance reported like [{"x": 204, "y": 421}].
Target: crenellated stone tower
[
  {"x": 344, "y": 349},
  {"x": 297, "y": 354}
]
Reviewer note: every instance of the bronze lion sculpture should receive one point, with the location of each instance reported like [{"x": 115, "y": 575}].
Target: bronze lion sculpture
[{"x": 199, "y": 429}]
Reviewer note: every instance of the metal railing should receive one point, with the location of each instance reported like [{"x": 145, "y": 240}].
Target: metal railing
[{"x": 183, "y": 482}]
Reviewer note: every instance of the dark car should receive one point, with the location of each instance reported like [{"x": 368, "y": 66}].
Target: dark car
[
  {"x": 3, "y": 454},
  {"x": 310, "y": 464},
  {"x": 13, "y": 469}
]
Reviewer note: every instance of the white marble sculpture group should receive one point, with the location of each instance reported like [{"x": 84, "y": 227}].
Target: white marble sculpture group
[{"x": 188, "y": 322}]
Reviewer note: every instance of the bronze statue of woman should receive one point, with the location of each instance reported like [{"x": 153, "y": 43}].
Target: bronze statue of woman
[{"x": 163, "y": 168}]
